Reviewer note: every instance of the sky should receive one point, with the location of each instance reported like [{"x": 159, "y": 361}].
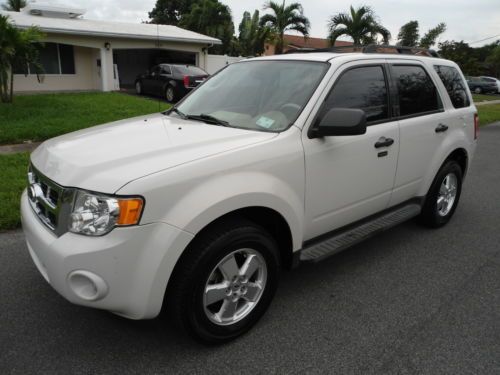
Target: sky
[{"x": 467, "y": 20}]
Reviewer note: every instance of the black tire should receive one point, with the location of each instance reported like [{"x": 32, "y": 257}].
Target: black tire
[
  {"x": 184, "y": 300},
  {"x": 430, "y": 215},
  {"x": 170, "y": 94},
  {"x": 478, "y": 90}
]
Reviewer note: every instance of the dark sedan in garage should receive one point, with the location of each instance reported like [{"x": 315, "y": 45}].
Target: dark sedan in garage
[{"x": 170, "y": 81}]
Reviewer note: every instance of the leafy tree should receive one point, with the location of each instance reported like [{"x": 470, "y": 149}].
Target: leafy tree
[
  {"x": 284, "y": 18},
  {"x": 493, "y": 61},
  {"x": 169, "y": 12},
  {"x": 18, "y": 48},
  {"x": 252, "y": 35},
  {"x": 211, "y": 17},
  {"x": 14, "y": 5},
  {"x": 360, "y": 24},
  {"x": 462, "y": 54},
  {"x": 431, "y": 35},
  {"x": 409, "y": 35}
]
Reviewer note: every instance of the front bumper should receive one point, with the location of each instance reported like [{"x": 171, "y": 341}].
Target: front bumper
[{"x": 134, "y": 263}]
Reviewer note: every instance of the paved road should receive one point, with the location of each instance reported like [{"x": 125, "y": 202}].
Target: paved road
[{"x": 410, "y": 300}]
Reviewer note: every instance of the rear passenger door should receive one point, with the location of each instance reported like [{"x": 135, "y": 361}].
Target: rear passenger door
[
  {"x": 423, "y": 125},
  {"x": 351, "y": 177}
]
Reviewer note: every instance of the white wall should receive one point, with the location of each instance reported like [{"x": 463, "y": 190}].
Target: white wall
[
  {"x": 214, "y": 63},
  {"x": 80, "y": 81}
]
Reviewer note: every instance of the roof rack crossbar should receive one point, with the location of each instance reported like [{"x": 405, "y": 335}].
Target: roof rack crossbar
[{"x": 373, "y": 48}]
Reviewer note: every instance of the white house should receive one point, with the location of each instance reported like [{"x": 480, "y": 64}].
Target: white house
[{"x": 82, "y": 54}]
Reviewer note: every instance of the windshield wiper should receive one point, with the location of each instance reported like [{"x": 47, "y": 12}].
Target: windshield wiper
[
  {"x": 179, "y": 112},
  {"x": 208, "y": 118}
]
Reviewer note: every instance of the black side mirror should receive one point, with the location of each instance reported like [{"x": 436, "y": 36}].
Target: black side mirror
[{"x": 339, "y": 121}]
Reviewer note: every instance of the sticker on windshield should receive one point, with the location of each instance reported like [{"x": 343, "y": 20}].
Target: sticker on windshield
[{"x": 265, "y": 122}]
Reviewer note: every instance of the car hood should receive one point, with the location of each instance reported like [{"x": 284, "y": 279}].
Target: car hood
[{"x": 106, "y": 157}]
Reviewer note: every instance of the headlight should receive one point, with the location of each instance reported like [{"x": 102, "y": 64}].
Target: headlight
[{"x": 95, "y": 214}]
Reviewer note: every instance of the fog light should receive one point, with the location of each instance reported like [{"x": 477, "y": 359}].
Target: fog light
[{"x": 87, "y": 285}]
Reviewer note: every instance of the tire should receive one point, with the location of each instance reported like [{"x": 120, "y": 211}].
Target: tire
[
  {"x": 170, "y": 94},
  {"x": 138, "y": 87},
  {"x": 436, "y": 214},
  {"x": 478, "y": 90},
  {"x": 208, "y": 317}
]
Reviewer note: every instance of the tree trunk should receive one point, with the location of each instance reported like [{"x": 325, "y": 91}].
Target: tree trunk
[{"x": 278, "y": 49}]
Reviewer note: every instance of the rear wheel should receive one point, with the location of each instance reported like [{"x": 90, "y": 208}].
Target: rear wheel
[
  {"x": 443, "y": 196},
  {"x": 138, "y": 87},
  {"x": 170, "y": 94},
  {"x": 225, "y": 282}
]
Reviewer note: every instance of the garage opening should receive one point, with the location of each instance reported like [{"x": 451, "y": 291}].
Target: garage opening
[{"x": 133, "y": 62}]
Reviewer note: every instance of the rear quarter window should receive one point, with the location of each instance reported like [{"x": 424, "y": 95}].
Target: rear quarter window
[{"x": 454, "y": 84}]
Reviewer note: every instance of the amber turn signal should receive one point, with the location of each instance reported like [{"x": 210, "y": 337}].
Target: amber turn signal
[{"x": 130, "y": 211}]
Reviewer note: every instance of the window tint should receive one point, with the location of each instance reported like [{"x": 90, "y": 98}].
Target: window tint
[
  {"x": 189, "y": 70},
  {"x": 454, "y": 85},
  {"x": 362, "y": 88},
  {"x": 417, "y": 93},
  {"x": 54, "y": 59},
  {"x": 67, "y": 59}
]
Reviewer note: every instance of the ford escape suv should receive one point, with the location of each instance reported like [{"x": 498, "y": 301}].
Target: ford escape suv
[{"x": 271, "y": 162}]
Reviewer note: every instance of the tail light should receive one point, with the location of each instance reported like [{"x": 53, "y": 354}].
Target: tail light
[
  {"x": 476, "y": 125},
  {"x": 186, "y": 81}
]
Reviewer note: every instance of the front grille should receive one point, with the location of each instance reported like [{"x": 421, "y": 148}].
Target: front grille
[{"x": 50, "y": 201}]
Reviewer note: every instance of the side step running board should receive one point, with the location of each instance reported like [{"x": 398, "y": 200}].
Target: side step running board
[{"x": 352, "y": 236}]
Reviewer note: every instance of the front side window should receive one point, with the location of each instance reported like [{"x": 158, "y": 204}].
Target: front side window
[
  {"x": 417, "y": 92},
  {"x": 454, "y": 84},
  {"x": 258, "y": 95},
  {"x": 361, "y": 88}
]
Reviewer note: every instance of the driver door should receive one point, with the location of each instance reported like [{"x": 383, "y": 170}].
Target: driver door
[{"x": 351, "y": 177}]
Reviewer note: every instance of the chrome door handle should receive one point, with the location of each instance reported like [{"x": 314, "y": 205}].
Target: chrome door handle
[
  {"x": 441, "y": 128},
  {"x": 384, "y": 142}
]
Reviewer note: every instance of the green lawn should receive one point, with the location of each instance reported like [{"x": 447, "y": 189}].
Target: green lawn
[
  {"x": 39, "y": 117},
  {"x": 488, "y": 113},
  {"x": 13, "y": 171},
  {"x": 484, "y": 98}
]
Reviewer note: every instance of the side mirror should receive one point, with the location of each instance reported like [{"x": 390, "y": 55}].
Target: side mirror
[{"x": 340, "y": 121}]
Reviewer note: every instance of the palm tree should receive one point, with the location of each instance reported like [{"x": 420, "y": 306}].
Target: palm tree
[
  {"x": 360, "y": 24},
  {"x": 14, "y": 5},
  {"x": 18, "y": 49},
  {"x": 285, "y": 17}
]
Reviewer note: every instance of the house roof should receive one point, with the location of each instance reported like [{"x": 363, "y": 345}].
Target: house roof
[
  {"x": 297, "y": 41},
  {"x": 82, "y": 26}
]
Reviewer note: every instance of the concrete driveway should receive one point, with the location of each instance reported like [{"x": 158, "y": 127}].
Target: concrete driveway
[{"x": 409, "y": 301}]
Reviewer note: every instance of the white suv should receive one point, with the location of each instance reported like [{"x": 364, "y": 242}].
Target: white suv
[{"x": 271, "y": 162}]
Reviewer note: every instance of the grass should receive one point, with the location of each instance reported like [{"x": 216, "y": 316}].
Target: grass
[
  {"x": 14, "y": 168},
  {"x": 488, "y": 113},
  {"x": 484, "y": 98},
  {"x": 40, "y": 117}
]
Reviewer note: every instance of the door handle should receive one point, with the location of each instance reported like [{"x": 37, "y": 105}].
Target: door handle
[
  {"x": 384, "y": 142},
  {"x": 441, "y": 128}
]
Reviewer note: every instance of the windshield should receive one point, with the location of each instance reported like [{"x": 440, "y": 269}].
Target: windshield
[{"x": 259, "y": 95}]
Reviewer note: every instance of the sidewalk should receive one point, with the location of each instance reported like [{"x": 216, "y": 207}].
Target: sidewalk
[
  {"x": 487, "y": 102},
  {"x": 23, "y": 147}
]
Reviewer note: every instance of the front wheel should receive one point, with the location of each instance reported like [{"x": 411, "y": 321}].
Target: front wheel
[
  {"x": 442, "y": 198},
  {"x": 478, "y": 90},
  {"x": 225, "y": 282},
  {"x": 138, "y": 88}
]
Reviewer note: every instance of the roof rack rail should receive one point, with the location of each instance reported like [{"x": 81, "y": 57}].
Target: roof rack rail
[{"x": 373, "y": 48}]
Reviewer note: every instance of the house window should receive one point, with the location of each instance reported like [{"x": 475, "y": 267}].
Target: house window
[{"x": 55, "y": 58}]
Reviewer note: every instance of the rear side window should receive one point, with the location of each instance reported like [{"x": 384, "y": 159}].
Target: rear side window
[
  {"x": 417, "y": 93},
  {"x": 361, "y": 88},
  {"x": 454, "y": 85}
]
